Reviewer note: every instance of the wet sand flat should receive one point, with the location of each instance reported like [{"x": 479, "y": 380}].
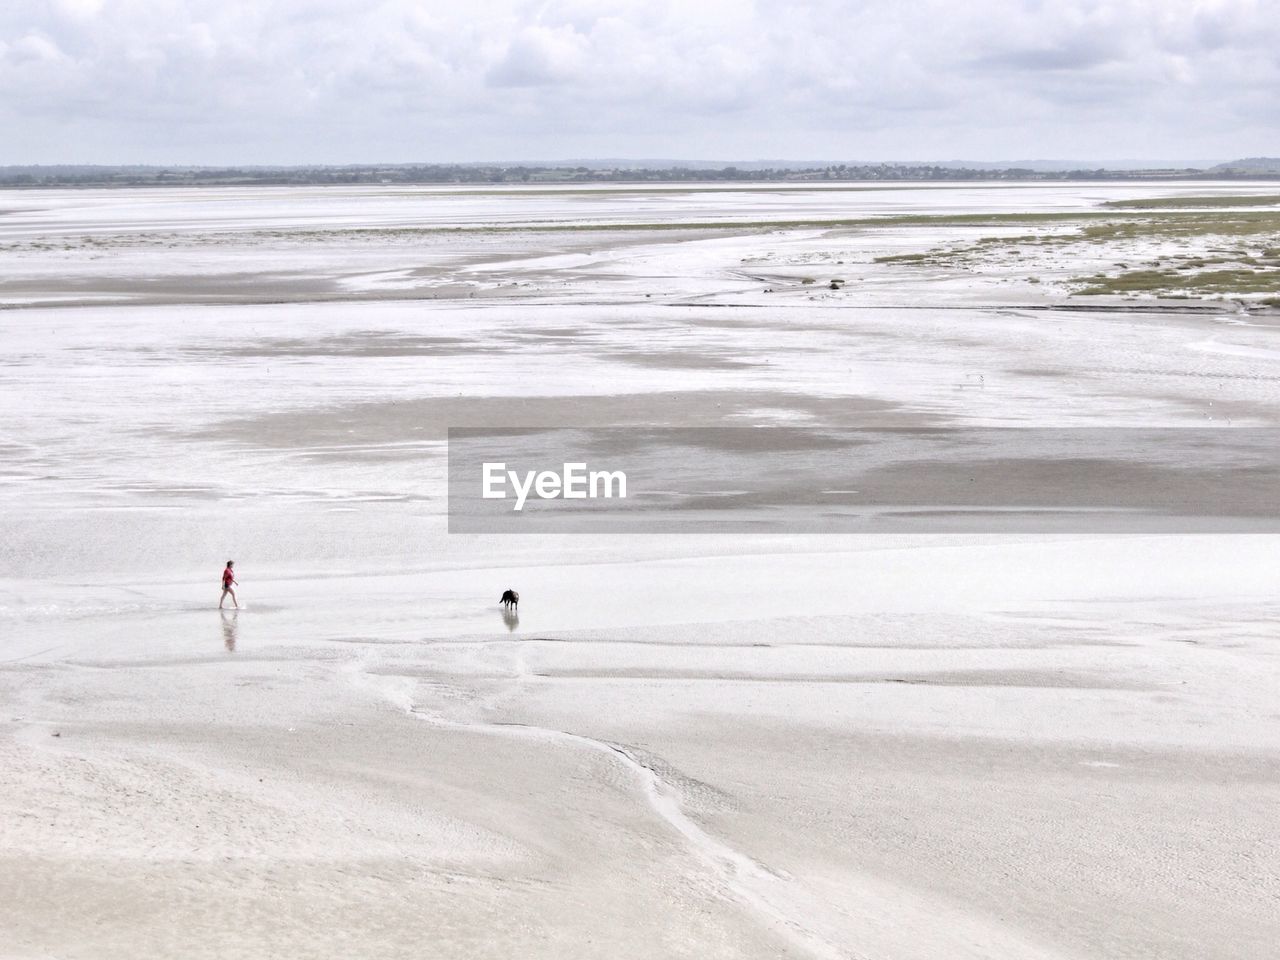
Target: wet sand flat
[{"x": 740, "y": 746}]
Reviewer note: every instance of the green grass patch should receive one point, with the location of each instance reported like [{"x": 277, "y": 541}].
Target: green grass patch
[
  {"x": 1243, "y": 223},
  {"x": 1165, "y": 283},
  {"x": 1164, "y": 203},
  {"x": 1172, "y": 228},
  {"x": 905, "y": 258}
]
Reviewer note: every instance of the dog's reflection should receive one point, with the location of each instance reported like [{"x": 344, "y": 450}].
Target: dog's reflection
[
  {"x": 510, "y": 618},
  {"x": 230, "y": 629}
]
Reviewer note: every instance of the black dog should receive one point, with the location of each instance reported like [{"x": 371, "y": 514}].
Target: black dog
[{"x": 510, "y": 599}]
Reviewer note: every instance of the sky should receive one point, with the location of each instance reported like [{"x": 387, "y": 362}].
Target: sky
[{"x": 368, "y": 81}]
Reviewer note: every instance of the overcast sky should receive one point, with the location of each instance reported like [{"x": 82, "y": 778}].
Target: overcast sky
[{"x": 335, "y": 81}]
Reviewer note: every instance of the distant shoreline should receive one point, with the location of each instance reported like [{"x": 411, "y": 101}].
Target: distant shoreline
[{"x": 70, "y": 176}]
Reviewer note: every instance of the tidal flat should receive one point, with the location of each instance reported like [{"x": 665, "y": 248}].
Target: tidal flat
[{"x": 1059, "y": 746}]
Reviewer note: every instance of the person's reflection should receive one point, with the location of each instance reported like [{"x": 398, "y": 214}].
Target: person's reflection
[
  {"x": 229, "y": 628},
  {"x": 510, "y": 618}
]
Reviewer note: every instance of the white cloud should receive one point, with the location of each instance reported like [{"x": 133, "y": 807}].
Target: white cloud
[
  {"x": 351, "y": 80},
  {"x": 539, "y": 56},
  {"x": 34, "y": 48}
]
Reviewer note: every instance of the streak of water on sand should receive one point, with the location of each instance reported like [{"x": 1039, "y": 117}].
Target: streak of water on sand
[
  {"x": 753, "y": 884},
  {"x": 749, "y": 880}
]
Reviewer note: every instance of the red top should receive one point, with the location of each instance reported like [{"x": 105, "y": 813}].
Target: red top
[{"x": 227, "y": 577}]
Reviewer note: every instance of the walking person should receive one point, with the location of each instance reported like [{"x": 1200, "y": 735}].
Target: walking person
[{"x": 229, "y": 581}]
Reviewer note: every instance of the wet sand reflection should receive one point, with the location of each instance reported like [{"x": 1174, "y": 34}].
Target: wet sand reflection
[{"x": 230, "y": 629}]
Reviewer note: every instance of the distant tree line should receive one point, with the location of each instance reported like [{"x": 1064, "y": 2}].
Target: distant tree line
[{"x": 132, "y": 176}]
